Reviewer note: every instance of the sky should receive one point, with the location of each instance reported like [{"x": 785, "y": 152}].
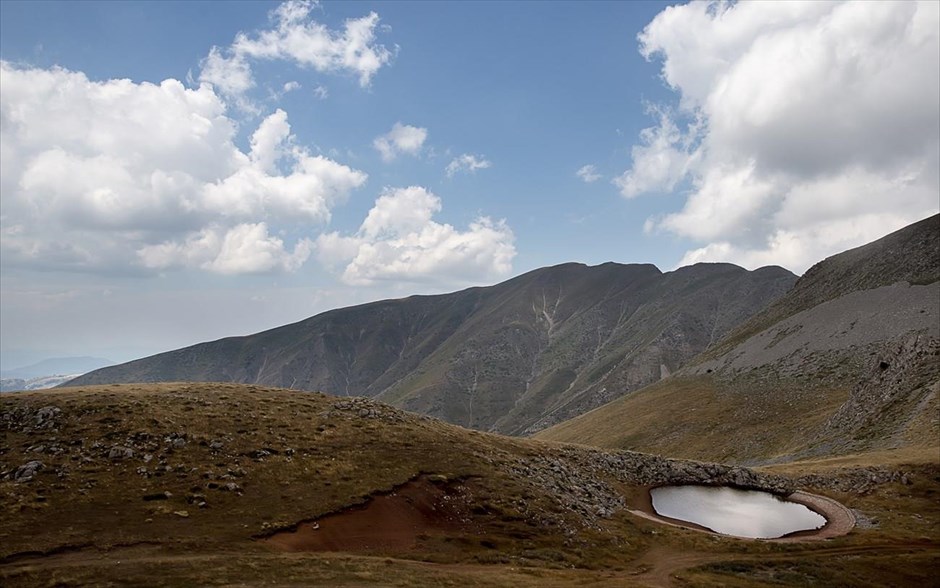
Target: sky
[{"x": 178, "y": 172}]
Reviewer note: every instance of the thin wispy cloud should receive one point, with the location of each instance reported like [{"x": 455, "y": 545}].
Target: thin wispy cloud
[
  {"x": 588, "y": 173},
  {"x": 466, "y": 163}
]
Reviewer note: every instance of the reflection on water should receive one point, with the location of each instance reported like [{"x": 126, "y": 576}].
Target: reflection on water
[{"x": 742, "y": 513}]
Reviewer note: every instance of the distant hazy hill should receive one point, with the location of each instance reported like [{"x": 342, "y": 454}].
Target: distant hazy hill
[
  {"x": 848, "y": 361},
  {"x": 40, "y": 383},
  {"x": 57, "y": 366},
  {"x": 514, "y": 357}
]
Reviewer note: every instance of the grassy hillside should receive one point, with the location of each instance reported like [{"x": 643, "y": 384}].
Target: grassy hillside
[
  {"x": 512, "y": 358},
  {"x": 195, "y": 484},
  {"x": 699, "y": 418}
]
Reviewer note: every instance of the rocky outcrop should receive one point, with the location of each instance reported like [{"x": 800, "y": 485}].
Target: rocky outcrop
[{"x": 901, "y": 375}]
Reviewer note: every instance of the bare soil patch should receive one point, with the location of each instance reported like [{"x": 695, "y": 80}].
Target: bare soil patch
[{"x": 393, "y": 521}]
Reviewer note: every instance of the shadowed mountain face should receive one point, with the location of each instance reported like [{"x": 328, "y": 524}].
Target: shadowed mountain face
[
  {"x": 512, "y": 358},
  {"x": 848, "y": 361}
]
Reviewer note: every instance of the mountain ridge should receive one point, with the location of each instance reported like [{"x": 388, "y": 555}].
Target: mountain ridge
[{"x": 514, "y": 357}]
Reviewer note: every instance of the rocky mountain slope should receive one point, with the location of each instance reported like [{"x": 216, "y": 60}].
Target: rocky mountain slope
[
  {"x": 846, "y": 362},
  {"x": 513, "y": 358}
]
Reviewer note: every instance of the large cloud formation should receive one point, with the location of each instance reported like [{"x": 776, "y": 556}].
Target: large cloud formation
[
  {"x": 400, "y": 241},
  {"x": 117, "y": 176},
  {"x": 802, "y": 128}
]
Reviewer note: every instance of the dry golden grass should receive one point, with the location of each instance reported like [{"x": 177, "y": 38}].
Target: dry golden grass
[{"x": 695, "y": 418}]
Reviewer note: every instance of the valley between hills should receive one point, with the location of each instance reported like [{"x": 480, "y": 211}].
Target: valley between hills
[{"x": 506, "y": 436}]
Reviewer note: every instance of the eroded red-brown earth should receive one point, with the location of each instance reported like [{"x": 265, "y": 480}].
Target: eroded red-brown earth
[{"x": 389, "y": 521}]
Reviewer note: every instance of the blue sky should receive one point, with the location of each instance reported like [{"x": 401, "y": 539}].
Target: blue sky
[{"x": 175, "y": 172}]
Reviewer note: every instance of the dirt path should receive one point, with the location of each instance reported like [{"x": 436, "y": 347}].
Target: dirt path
[
  {"x": 655, "y": 569},
  {"x": 661, "y": 563}
]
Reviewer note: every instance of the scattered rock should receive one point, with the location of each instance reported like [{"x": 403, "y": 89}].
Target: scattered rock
[
  {"x": 45, "y": 416},
  {"x": 366, "y": 408},
  {"x": 175, "y": 440},
  {"x": 259, "y": 454},
  {"x": 119, "y": 452},
  {"x": 231, "y": 487},
  {"x": 198, "y": 499},
  {"x": 863, "y": 521},
  {"x": 27, "y": 471},
  {"x": 181, "y": 513}
]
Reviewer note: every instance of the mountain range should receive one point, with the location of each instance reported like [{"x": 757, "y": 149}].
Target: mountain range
[
  {"x": 842, "y": 359},
  {"x": 511, "y": 358}
]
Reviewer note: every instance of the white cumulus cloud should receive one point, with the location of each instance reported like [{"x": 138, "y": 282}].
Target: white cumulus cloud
[
  {"x": 116, "y": 176},
  {"x": 466, "y": 163},
  {"x": 400, "y": 241},
  {"x": 295, "y": 37},
  {"x": 662, "y": 159},
  {"x": 401, "y": 139},
  {"x": 814, "y": 126},
  {"x": 246, "y": 248}
]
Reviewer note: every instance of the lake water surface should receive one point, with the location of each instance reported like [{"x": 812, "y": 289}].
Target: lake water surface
[{"x": 742, "y": 513}]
